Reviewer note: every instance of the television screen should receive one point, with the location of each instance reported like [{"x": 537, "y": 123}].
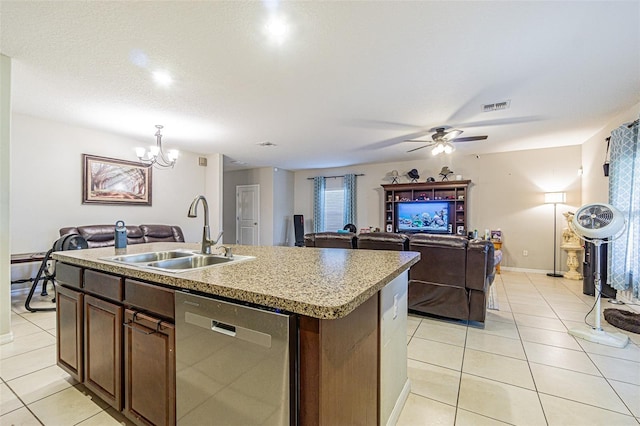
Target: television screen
[{"x": 416, "y": 216}]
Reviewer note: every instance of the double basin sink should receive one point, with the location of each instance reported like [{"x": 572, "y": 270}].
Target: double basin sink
[{"x": 176, "y": 260}]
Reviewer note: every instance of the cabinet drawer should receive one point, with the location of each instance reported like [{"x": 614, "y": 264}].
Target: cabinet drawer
[
  {"x": 69, "y": 275},
  {"x": 149, "y": 298},
  {"x": 106, "y": 285}
]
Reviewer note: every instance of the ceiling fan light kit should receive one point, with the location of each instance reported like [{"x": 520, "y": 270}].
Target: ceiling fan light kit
[
  {"x": 442, "y": 140},
  {"x": 596, "y": 223}
]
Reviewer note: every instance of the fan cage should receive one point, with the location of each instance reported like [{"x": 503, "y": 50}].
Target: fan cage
[{"x": 598, "y": 221}]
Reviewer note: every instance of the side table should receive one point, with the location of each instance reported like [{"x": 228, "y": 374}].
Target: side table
[{"x": 498, "y": 246}]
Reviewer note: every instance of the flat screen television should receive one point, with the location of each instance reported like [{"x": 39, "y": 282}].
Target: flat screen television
[{"x": 423, "y": 216}]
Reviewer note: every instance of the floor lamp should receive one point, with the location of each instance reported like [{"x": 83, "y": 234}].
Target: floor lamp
[{"x": 555, "y": 198}]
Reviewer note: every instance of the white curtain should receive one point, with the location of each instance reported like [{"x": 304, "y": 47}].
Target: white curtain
[{"x": 624, "y": 194}]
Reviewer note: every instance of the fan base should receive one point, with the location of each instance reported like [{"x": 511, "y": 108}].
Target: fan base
[{"x": 617, "y": 340}]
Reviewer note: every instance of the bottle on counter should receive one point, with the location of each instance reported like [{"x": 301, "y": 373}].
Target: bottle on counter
[{"x": 120, "y": 237}]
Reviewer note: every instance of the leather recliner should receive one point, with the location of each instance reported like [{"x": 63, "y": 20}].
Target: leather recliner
[
  {"x": 346, "y": 240},
  {"x": 453, "y": 276},
  {"x": 103, "y": 235},
  {"x": 383, "y": 241}
]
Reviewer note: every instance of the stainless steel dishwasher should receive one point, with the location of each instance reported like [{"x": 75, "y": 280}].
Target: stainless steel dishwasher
[{"x": 235, "y": 364}]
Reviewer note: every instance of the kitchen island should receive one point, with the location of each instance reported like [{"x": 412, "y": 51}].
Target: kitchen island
[{"x": 350, "y": 322}]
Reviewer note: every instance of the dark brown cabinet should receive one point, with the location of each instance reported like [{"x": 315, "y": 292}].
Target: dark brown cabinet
[
  {"x": 69, "y": 331},
  {"x": 103, "y": 349},
  {"x": 452, "y": 193},
  {"x": 104, "y": 340},
  {"x": 149, "y": 356}
]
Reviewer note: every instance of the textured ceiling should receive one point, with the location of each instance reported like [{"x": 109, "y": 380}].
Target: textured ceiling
[{"x": 350, "y": 82}]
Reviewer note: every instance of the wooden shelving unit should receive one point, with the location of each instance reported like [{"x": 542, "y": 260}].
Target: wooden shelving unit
[{"x": 454, "y": 192}]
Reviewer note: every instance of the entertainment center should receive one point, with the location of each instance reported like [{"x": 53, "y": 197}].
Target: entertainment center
[{"x": 433, "y": 207}]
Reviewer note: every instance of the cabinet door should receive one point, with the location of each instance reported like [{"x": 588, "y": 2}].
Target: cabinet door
[
  {"x": 150, "y": 377},
  {"x": 103, "y": 349},
  {"x": 69, "y": 331}
]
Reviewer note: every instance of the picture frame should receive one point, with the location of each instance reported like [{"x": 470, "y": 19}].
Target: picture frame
[
  {"x": 117, "y": 182},
  {"x": 496, "y": 235}
]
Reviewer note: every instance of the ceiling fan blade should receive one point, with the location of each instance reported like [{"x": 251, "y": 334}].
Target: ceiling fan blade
[
  {"x": 451, "y": 134},
  {"x": 417, "y": 140},
  {"x": 415, "y": 149},
  {"x": 469, "y": 139}
]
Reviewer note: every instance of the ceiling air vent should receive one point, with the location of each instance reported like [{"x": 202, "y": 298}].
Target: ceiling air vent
[
  {"x": 267, "y": 143},
  {"x": 496, "y": 106}
]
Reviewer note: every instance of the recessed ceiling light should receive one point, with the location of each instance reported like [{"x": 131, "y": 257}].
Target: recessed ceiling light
[
  {"x": 277, "y": 29},
  {"x": 162, "y": 77}
]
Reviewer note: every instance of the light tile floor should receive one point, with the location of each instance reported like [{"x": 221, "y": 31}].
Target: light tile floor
[{"x": 522, "y": 368}]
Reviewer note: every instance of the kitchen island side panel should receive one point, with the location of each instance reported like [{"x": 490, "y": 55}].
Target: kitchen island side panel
[{"x": 339, "y": 368}]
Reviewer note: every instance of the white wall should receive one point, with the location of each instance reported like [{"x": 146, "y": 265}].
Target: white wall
[
  {"x": 5, "y": 219},
  {"x": 46, "y": 184},
  {"x": 507, "y": 193},
  {"x": 595, "y": 186},
  {"x": 276, "y": 203},
  {"x": 213, "y": 194},
  {"x": 283, "y": 184}
]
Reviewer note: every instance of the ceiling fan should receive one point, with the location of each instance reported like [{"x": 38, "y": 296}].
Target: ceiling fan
[{"x": 442, "y": 140}]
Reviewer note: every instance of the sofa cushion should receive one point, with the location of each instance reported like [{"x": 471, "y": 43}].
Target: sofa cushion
[
  {"x": 383, "y": 241},
  {"x": 442, "y": 259},
  {"x": 154, "y": 233},
  {"x": 346, "y": 240}
]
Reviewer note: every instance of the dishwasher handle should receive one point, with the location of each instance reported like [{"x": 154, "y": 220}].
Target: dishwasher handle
[
  {"x": 237, "y": 332},
  {"x": 223, "y": 328}
]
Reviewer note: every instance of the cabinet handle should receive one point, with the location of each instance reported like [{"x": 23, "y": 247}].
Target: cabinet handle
[
  {"x": 133, "y": 321},
  {"x": 139, "y": 330}
]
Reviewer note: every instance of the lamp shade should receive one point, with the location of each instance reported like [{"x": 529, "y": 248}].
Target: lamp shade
[{"x": 555, "y": 197}]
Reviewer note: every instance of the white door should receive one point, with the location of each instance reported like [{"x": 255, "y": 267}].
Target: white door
[{"x": 248, "y": 215}]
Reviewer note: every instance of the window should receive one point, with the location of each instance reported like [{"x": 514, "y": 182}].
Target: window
[{"x": 333, "y": 204}]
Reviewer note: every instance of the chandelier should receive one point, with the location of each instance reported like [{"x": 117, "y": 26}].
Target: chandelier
[{"x": 155, "y": 156}]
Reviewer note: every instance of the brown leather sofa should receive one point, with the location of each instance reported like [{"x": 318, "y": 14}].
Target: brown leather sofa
[
  {"x": 383, "y": 241},
  {"x": 103, "y": 235},
  {"x": 453, "y": 276},
  {"x": 347, "y": 240}
]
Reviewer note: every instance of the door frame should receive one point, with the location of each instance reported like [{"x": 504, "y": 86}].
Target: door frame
[{"x": 256, "y": 187}]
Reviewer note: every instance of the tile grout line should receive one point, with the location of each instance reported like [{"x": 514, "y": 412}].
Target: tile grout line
[{"x": 533, "y": 379}]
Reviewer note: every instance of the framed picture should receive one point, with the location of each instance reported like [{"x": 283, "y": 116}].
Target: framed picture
[{"x": 112, "y": 181}]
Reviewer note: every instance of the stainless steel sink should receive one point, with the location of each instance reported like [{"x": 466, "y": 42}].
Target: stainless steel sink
[
  {"x": 151, "y": 257},
  {"x": 175, "y": 260},
  {"x": 192, "y": 262}
]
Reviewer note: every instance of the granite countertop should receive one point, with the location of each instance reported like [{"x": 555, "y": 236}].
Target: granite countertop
[{"x": 316, "y": 282}]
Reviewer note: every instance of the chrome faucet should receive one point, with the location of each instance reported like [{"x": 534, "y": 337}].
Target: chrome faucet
[{"x": 207, "y": 242}]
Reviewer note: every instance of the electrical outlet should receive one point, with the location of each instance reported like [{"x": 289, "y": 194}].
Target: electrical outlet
[{"x": 525, "y": 253}]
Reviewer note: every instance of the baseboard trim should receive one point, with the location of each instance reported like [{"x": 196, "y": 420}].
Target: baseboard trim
[
  {"x": 402, "y": 399},
  {"x": 531, "y": 271},
  {"x": 6, "y": 338}
]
